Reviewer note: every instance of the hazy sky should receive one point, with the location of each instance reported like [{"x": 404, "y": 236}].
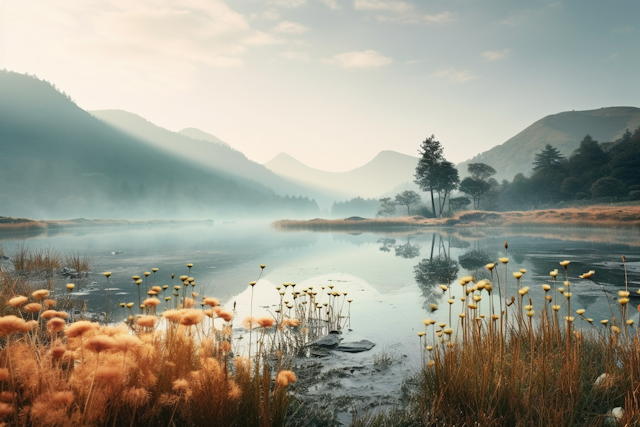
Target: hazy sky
[{"x": 332, "y": 82}]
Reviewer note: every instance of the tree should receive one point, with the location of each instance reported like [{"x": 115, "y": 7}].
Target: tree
[
  {"x": 407, "y": 198},
  {"x": 549, "y": 158},
  {"x": 479, "y": 183},
  {"x": 387, "y": 207},
  {"x": 445, "y": 179},
  {"x": 608, "y": 187},
  {"x": 430, "y": 156},
  {"x": 458, "y": 203}
]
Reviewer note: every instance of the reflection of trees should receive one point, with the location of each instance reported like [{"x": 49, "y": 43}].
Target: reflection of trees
[
  {"x": 475, "y": 259},
  {"x": 387, "y": 244},
  {"x": 435, "y": 271},
  {"x": 408, "y": 250},
  {"x": 456, "y": 242}
]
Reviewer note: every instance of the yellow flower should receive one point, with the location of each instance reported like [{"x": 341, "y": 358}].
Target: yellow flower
[
  {"x": 524, "y": 290},
  {"x": 147, "y": 274},
  {"x": 587, "y": 275},
  {"x": 568, "y": 294},
  {"x": 421, "y": 333},
  {"x": 262, "y": 266},
  {"x": 553, "y": 273},
  {"x": 462, "y": 315},
  {"x": 630, "y": 322},
  {"x": 448, "y": 331},
  {"x": 490, "y": 266},
  {"x": 528, "y": 307},
  {"x": 189, "y": 265},
  {"x": 107, "y": 274},
  {"x": 604, "y": 322},
  {"x": 443, "y": 287},
  {"x": 451, "y": 301},
  {"x": 155, "y": 269},
  {"x": 569, "y": 318},
  {"x": 615, "y": 329},
  {"x": 70, "y": 286},
  {"x": 581, "y": 311},
  {"x": 555, "y": 307},
  {"x": 429, "y": 348},
  {"x": 623, "y": 301},
  {"x": 564, "y": 263},
  {"x": 504, "y": 260},
  {"x": 530, "y": 313},
  {"x": 433, "y": 307},
  {"x": 623, "y": 294}
]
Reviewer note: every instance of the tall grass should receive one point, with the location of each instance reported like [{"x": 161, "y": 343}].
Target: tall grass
[
  {"x": 530, "y": 363},
  {"x": 47, "y": 260}
]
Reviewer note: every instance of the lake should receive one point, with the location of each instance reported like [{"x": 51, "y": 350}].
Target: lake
[{"x": 391, "y": 277}]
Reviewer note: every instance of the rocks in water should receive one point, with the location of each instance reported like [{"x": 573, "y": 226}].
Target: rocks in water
[
  {"x": 327, "y": 341},
  {"x": 69, "y": 272},
  {"x": 355, "y": 347},
  {"x": 117, "y": 253}
]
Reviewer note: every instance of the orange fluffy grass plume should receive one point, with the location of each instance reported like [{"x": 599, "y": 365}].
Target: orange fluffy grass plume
[
  {"x": 266, "y": 322},
  {"x": 80, "y": 327},
  {"x": 211, "y": 302},
  {"x": 146, "y": 321},
  {"x": 151, "y": 302},
  {"x": 191, "y": 318},
  {"x": 100, "y": 343},
  {"x": 285, "y": 378},
  {"x": 56, "y": 325},
  {"x": 11, "y": 324},
  {"x": 17, "y": 301},
  {"x": 40, "y": 294},
  {"x": 34, "y": 307}
]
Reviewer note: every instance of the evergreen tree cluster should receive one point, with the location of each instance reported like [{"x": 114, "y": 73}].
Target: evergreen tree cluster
[{"x": 607, "y": 171}]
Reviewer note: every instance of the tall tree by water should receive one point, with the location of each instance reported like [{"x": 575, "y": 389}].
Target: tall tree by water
[
  {"x": 407, "y": 198},
  {"x": 479, "y": 183},
  {"x": 430, "y": 156},
  {"x": 445, "y": 179}
]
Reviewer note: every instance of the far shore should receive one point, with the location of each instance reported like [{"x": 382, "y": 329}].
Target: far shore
[
  {"x": 627, "y": 217},
  {"x": 8, "y": 224}
]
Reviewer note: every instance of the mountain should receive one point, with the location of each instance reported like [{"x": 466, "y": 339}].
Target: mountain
[
  {"x": 383, "y": 173},
  {"x": 205, "y": 150},
  {"x": 194, "y": 133},
  {"x": 564, "y": 131},
  {"x": 57, "y": 160}
]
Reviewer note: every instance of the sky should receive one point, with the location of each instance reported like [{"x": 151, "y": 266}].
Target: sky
[{"x": 332, "y": 82}]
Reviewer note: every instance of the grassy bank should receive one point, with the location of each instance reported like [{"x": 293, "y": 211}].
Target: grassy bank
[
  {"x": 595, "y": 216},
  {"x": 514, "y": 361}
]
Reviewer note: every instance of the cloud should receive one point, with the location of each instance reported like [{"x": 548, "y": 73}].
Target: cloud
[
  {"x": 292, "y": 55},
  {"x": 288, "y": 27},
  {"x": 453, "y": 76},
  {"x": 494, "y": 55},
  {"x": 524, "y": 16},
  {"x": 333, "y": 4},
  {"x": 271, "y": 14},
  {"x": 366, "y": 59},
  {"x": 440, "y": 18},
  {"x": 289, "y": 4},
  {"x": 382, "y": 5},
  {"x": 413, "y": 61}
]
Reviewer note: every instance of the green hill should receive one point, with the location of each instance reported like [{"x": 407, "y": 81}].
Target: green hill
[
  {"x": 58, "y": 161},
  {"x": 564, "y": 131}
]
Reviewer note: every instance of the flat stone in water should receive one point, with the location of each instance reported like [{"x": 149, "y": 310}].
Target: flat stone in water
[
  {"x": 327, "y": 341},
  {"x": 356, "y": 347}
]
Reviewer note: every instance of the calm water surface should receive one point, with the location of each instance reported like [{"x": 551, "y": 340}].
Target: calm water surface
[{"x": 392, "y": 278}]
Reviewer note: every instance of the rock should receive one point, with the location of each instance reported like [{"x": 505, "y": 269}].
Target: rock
[
  {"x": 355, "y": 347},
  {"x": 614, "y": 416},
  {"x": 116, "y": 253},
  {"x": 327, "y": 341},
  {"x": 70, "y": 272},
  {"x": 320, "y": 352}
]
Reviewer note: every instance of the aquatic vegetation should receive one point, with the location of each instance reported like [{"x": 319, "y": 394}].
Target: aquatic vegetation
[
  {"x": 182, "y": 366},
  {"x": 524, "y": 362}
]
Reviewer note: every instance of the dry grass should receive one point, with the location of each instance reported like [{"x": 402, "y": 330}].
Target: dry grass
[
  {"x": 594, "y": 216},
  {"x": 82, "y": 263},
  {"x": 512, "y": 361},
  {"x": 34, "y": 261}
]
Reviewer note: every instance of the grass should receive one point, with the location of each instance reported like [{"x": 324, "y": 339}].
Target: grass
[
  {"x": 178, "y": 367},
  {"x": 594, "y": 216},
  {"x": 510, "y": 361}
]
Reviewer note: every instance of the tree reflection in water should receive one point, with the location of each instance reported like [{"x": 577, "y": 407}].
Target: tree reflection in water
[
  {"x": 387, "y": 244},
  {"x": 429, "y": 273},
  {"x": 408, "y": 251}
]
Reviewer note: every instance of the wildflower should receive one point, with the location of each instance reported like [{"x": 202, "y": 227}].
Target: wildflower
[
  {"x": 451, "y": 301},
  {"x": 553, "y": 273},
  {"x": 212, "y": 302},
  {"x": 11, "y": 324},
  {"x": 285, "y": 378},
  {"x": 623, "y": 294},
  {"x": 33, "y": 307},
  {"x": 146, "y": 321},
  {"x": 504, "y": 260},
  {"x": 421, "y": 333},
  {"x": 564, "y": 263},
  {"x": 151, "y": 302},
  {"x": 262, "y": 266},
  {"x": 448, "y": 331},
  {"x": 568, "y": 294},
  {"x": 429, "y": 348},
  {"x": 56, "y": 325},
  {"x": 615, "y": 329},
  {"x": 426, "y": 322},
  {"x": 587, "y": 275},
  {"x": 443, "y": 287},
  {"x": 490, "y": 266},
  {"x": 100, "y": 343},
  {"x": 530, "y": 313},
  {"x": 70, "y": 286},
  {"x": 555, "y": 307},
  {"x": 4, "y": 374},
  {"x": 623, "y": 301},
  {"x": 106, "y": 274},
  {"x": 546, "y": 287},
  {"x": 517, "y": 274},
  {"x": 430, "y": 363},
  {"x": 524, "y": 290},
  {"x": 252, "y": 283},
  {"x": 266, "y": 322},
  {"x": 189, "y": 265},
  {"x": 630, "y": 322},
  {"x": 433, "y": 307},
  {"x": 189, "y": 303},
  {"x": 40, "y": 294},
  {"x": 191, "y": 318},
  {"x": 569, "y": 318},
  {"x": 80, "y": 328},
  {"x": 17, "y": 301},
  {"x": 49, "y": 303},
  {"x": 581, "y": 311},
  {"x": 604, "y": 322}
]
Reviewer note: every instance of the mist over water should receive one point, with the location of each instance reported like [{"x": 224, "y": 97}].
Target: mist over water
[{"x": 400, "y": 272}]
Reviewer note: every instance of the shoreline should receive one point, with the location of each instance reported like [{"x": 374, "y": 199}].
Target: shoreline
[
  {"x": 9, "y": 224},
  {"x": 625, "y": 217}
]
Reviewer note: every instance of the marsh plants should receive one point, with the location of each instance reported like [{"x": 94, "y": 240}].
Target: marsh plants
[
  {"x": 518, "y": 362},
  {"x": 180, "y": 366}
]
